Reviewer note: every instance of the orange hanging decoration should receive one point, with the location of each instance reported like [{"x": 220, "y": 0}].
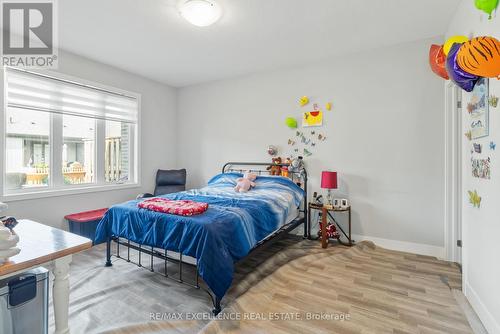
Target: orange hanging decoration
[{"x": 480, "y": 56}]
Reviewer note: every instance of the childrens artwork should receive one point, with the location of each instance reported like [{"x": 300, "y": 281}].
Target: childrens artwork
[
  {"x": 477, "y": 148},
  {"x": 481, "y": 168},
  {"x": 474, "y": 199},
  {"x": 312, "y": 118},
  {"x": 478, "y": 109}
]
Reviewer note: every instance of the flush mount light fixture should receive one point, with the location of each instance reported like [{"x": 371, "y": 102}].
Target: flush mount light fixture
[{"x": 201, "y": 13}]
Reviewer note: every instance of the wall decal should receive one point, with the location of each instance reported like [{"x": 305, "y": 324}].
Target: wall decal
[
  {"x": 493, "y": 146},
  {"x": 477, "y": 148},
  {"x": 291, "y": 142},
  {"x": 468, "y": 135},
  {"x": 312, "y": 118},
  {"x": 493, "y": 100},
  {"x": 328, "y": 106},
  {"x": 474, "y": 199},
  {"x": 291, "y": 122},
  {"x": 321, "y": 137},
  {"x": 481, "y": 168},
  {"x": 303, "y": 101},
  {"x": 307, "y": 153},
  {"x": 479, "y": 117},
  {"x": 272, "y": 150},
  {"x": 313, "y": 133}
]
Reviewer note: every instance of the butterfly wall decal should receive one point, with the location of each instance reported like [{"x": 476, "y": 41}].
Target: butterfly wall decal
[
  {"x": 321, "y": 137},
  {"x": 493, "y": 100},
  {"x": 313, "y": 133},
  {"x": 468, "y": 134},
  {"x": 474, "y": 198},
  {"x": 291, "y": 142},
  {"x": 493, "y": 146},
  {"x": 307, "y": 153}
]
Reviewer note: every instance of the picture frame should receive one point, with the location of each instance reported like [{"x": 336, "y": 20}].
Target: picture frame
[{"x": 478, "y": 109}]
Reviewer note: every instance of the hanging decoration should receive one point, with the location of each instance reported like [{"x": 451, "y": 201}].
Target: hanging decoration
[
  {"x": 437, "y": 60},
  {"x": 464, "y": 80},
  {"x": 480, "y": 56},
  {"x": 291, "y": 122},
  {"x": 453, "y": 40},
  {"x": 474, "y": 199},
  {"x": 481, "y": 168},
  {"x": 487, "y": 6}
]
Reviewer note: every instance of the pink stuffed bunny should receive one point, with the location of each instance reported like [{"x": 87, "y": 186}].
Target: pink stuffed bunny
[{"x": 245, "y": 183}]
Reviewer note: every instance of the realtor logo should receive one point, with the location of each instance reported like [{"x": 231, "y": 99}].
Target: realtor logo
[{"x": 29, "y": 34}]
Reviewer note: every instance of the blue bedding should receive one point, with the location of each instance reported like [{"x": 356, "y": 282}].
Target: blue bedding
[{"x": 225, "y": 233}]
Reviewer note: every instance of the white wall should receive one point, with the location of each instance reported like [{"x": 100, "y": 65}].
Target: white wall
[
  {"x": 481, "y": 227},
  {"x": 158, "y": 142},
  {"x": 384, "y": 135}
]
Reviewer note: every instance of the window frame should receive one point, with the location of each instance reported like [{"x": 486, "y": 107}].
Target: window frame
[{"x": 56, "y": 185}]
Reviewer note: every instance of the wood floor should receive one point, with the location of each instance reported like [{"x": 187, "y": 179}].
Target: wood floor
[{"x": 381, "y": 291}]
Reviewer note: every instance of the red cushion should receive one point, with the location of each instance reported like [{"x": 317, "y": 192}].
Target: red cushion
[{"x": 174, "y": 207}]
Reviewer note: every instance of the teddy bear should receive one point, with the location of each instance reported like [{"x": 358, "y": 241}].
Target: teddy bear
[
  {"x": 245, "y": 183},
  {"x": 297, "y": 165},
  {"x": 275, "y": 168},
  {"x": 284, "y": 169}
]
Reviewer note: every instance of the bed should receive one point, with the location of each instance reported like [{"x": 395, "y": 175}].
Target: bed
[{"x": 233, "y": 226}]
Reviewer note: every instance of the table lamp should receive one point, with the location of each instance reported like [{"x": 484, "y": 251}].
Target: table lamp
[{"x": 329, "y": 181}]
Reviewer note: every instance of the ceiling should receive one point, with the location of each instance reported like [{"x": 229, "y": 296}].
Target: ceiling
[{"x": 149, "y": 38}]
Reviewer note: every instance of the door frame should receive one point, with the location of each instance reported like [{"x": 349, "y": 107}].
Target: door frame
[{"x": 453, "y": 173}]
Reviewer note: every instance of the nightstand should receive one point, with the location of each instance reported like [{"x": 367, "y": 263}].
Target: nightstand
[{"x": 327, "y": 213}]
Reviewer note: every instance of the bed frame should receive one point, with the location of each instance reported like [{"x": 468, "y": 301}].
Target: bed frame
[{"x": 170, "y": 256}]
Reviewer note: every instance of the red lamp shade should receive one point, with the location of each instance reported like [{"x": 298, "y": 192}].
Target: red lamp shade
[{"x": 329, "y": 180}]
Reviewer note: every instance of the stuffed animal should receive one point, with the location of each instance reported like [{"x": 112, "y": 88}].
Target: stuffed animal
[
  {"x": 297, "y": 165},
  {"x": 275, "y": 168},
  {"x": 245, "y": 183},
  {"x": 284, "y": 169}
]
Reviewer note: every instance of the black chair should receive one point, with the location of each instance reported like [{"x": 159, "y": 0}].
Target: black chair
[{"x": 167, "y": 182}]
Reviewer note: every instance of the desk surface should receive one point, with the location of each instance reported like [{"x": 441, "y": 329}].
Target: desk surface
[{"x": 40, "y": 244}]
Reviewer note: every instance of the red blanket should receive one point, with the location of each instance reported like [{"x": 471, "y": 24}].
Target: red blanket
[{"x": 180, "y": 208}]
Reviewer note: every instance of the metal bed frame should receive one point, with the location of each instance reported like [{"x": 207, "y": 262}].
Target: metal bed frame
[{"x": 299, "y": 177}]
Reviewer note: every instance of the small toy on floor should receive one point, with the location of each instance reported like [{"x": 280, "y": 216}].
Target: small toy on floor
[
  {"x": 245, "y": 183},
  {"x": 331, "y": 231}
]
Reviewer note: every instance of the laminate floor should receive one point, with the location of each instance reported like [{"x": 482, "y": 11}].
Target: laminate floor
[{"x": 292, "y": 286}]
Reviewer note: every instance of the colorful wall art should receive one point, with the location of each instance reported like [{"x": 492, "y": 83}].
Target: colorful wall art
[
  {"x": 312, "y": 118},
  {"x": 478, "y": 108},
  {"x": 481, "y": 168}
]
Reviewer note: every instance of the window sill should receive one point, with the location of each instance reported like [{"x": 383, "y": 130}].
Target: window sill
[{"x": 69, "y": 191}]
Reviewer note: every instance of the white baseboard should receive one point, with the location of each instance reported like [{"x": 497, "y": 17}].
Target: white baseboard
[
  {"x": 404, "y": 246},
  {"x": 489, "y": 322}
]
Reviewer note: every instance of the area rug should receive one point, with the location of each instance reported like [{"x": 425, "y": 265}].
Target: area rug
[{"x": 293, "y": 286}]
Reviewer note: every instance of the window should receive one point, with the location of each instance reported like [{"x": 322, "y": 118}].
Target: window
[{"x": 62, "y": 135}]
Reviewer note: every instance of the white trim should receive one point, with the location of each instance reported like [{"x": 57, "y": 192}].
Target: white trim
[
  {"x": 489, "y": 322},
  {"x": 404, "y": 246},
  {"x": 452, "y": 173},
  {"x": 68, "y": 190}
]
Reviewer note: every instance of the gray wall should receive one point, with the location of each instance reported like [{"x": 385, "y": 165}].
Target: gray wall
[{"x": 384, "y": 135}]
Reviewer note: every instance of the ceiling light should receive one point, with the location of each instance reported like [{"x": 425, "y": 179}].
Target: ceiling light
[{"x": 201, "y": 13}]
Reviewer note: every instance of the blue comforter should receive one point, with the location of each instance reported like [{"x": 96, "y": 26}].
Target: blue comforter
[{"x": 225, "y": 233}]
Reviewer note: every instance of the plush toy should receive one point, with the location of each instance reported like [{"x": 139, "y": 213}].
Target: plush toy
[
  {"x": 275, "y": 168},
  {"x": 245, "y": 183},
  {"x": 284, "y": 169},
  {"x": 297, "y": 165}
]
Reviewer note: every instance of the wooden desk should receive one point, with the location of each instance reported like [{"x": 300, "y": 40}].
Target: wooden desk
[{"x": 44, "y": 245}]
